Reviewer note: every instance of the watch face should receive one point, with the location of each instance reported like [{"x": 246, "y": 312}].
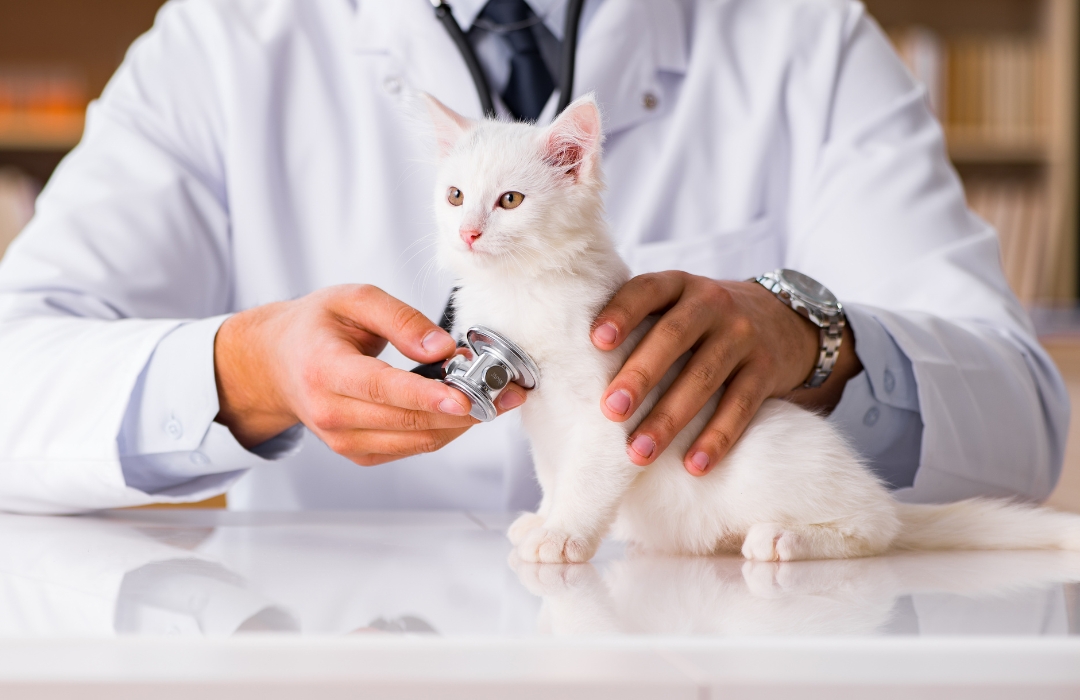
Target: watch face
[{"x": 809, "y": 288}]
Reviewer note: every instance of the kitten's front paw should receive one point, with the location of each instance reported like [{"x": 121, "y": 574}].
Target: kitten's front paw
[
  {"x": 770, "y": 542},
  {"x": 521, "y": 527},
  {"x": 550, "y": 546}
]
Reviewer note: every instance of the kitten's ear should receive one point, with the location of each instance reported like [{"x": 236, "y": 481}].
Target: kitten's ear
[
  {"x": 449, "y": 125},
  {"x": 572, "y": 142}
]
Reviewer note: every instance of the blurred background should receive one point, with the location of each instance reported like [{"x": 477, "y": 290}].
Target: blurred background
[{"x": 1002, "y": 75}]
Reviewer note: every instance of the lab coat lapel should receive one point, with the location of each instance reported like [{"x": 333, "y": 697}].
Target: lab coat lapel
[
  {"x": 622, "y": 50},
  {"x": 420, "y": 53}
]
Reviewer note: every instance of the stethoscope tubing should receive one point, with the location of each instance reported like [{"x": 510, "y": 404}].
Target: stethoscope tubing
[
  {"x": 566, "y": 89},
  {"x": 569, "y": 55},
  {"x": 445, "y": 14}
]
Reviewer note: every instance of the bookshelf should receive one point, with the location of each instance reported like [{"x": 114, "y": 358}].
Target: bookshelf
[
  {"x": 55, "y": 56},
  {"x": 1002, "y": 76}
]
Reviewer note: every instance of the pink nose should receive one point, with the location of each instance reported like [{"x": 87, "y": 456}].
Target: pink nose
[{"x": 469, "y": 235}]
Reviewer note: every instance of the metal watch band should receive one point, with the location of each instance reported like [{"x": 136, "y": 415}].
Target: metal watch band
[
  {"x": 831, "y": 338},
  {"x": 831, "y": 327}
]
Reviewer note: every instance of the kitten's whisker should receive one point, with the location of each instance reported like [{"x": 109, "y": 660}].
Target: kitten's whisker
[
  {"x": 425, "y": 249},
  {"x": 425, "y": 273},
  {"x": 431, "y": 269}
]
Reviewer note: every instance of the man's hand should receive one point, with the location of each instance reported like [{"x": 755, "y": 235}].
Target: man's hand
[
  {"x": 740, "y": 334},
  {"x": 313, "y": 361}
]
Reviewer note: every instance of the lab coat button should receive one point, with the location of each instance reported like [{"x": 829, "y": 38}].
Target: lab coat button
[
  {"x": 871, "y": 417},
  {"x": 199, "y": 459},
  {"x": 174, "y": 429},
  {"x": 392, "y": 84},
  {"x": 649, "y": 101},
  {"x": 890, "y": 382}
]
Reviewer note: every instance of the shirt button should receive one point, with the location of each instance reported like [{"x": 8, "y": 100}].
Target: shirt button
[
  {"x": 650, "y": 101},
  {"x": 174, "y": 429},
  {"x": 392, "y": 84},
  {"x": 871, "y": 416},
  {"x": 890, "y": 382},
  {"x": 199, "y": 459}
]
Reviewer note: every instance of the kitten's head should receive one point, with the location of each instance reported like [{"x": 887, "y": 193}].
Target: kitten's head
[{"x": 517, "y": 198}]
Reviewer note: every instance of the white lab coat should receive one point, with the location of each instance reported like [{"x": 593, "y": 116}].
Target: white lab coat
[{"x": 249, "y": 152}]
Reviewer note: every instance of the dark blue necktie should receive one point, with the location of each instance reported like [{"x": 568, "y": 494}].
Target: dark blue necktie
[{"x": 530, "y": 83}]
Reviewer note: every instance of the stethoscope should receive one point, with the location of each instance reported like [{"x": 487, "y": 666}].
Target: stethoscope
[
  {"x": 496, "y": 360},
  {"x": 566, "y": 69}
]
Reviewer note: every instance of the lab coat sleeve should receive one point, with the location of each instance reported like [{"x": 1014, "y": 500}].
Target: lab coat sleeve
[
  {"x": 129, "y": 246},
  {"x": 169, "y": 443},
  {"x": 879, "y": 216},
  {"x": 879, "y": 410}
]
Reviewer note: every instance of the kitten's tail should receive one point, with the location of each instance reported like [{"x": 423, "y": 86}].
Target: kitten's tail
[{"x": 981, "y": 523}]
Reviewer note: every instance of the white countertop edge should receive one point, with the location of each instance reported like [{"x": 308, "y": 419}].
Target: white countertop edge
[{"x": 904, "y": 661}]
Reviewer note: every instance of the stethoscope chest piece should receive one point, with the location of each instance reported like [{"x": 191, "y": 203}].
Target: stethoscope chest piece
[{"x": 496, "y": 362}]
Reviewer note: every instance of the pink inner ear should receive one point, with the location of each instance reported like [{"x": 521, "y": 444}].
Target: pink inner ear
[
  {"x": 563, "y": 154},
  {"x": 574, "y": 135}
]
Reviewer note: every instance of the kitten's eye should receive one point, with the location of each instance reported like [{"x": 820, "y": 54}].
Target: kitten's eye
[
  {"x": 454, "y": 196},
  {"x": 511, "y": 200}
]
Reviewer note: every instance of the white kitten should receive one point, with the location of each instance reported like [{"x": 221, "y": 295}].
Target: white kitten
[{"x": 521, "y": 222}]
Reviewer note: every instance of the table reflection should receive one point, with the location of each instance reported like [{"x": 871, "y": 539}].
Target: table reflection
[
  {"x": 1027, "y": 593},
  {"x": 446, "y": 574}
]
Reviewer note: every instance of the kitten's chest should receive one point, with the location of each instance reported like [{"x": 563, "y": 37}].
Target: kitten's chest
[{"x": 540, "y": 319}]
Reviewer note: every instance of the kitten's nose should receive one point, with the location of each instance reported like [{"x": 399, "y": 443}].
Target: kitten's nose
[{"x": 469, "y": 235}]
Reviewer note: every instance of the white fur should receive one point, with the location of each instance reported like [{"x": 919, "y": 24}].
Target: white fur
[{"x": 791, "y": 488}]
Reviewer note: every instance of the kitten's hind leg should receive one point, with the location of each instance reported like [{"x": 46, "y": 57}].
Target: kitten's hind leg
[{"x": 775, "y": 542}]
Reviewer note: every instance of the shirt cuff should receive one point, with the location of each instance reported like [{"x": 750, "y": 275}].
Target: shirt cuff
[
  {"x": 169, "y": 444},
  {"x": 879, "y": 410}
]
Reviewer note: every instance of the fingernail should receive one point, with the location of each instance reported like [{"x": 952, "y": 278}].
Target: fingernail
[
  {"x": 643, "y": 445},
  {"x": 619, "y": 402},
  {"x": 435, "y": 341},
  {"x": 606, "y": 333},
  {"x": 510, "y": 399},
  {"x": 700, "y": 460},
  {"x": 452, "y": 407}
]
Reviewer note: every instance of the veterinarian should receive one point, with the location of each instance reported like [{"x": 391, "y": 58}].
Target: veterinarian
[{"x": 198, "y": 304}]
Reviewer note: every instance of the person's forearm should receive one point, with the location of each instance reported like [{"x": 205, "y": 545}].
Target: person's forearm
[{"x": 251, "y": 406}]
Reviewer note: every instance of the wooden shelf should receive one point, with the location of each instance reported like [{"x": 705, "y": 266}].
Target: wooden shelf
[
  {"x": 974, "y": 146},
  {"x": 29, "y": 132}
]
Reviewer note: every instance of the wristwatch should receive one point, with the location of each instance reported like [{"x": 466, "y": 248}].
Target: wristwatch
[{"x": 810, "y": 299}]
